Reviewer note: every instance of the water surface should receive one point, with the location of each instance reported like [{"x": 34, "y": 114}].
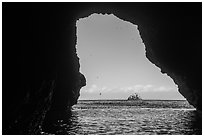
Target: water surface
[{"x": 110, "y": 117}]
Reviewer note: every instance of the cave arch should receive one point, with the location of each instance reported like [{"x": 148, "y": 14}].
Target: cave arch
[
  {"x": 83, "y": 50},
  {"x": 152, "y": 29}
]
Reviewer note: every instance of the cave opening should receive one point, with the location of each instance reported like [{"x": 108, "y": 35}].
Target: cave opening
[
  {"x": 48, "y": 79},
  {"x": 112, "y": 57}
]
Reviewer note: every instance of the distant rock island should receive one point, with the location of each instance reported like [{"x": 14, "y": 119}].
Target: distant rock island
[{"x": 134, "y": 97}]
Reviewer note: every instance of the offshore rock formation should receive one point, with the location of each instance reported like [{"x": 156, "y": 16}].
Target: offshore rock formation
[
  {"x": 41, "y": 75},
  {"x": 134, "y": 97}
]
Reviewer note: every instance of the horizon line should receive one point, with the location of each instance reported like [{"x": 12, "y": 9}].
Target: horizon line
[{"x": 133, "y": 100}]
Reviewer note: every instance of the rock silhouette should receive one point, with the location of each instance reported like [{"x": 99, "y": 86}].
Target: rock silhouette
[{"x": 134, "y": 97}]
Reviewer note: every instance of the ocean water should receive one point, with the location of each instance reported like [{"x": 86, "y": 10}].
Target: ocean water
[{"x": 122, "y": 117}]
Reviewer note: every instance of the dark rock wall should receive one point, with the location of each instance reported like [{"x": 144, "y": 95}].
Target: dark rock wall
[
  {"x": 41, "y": 68},
  {"x": 176, "y": 47}
]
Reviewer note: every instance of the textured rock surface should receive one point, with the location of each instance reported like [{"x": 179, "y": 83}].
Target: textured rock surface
[
  {"x": 40, "y": 65},
  {"x": 38, "y": 47}
]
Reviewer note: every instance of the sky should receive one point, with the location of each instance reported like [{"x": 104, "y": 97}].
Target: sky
[{"x": 112, "y": 58}]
